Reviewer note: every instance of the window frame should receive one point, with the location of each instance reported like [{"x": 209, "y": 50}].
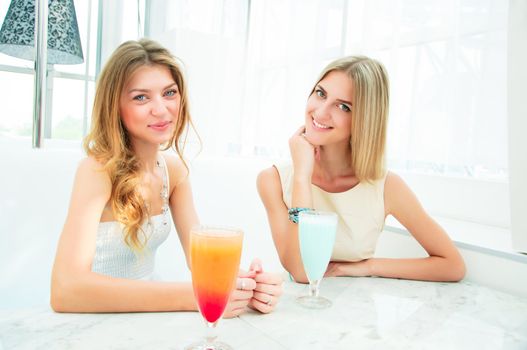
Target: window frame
[
  {"x": 54, "y": 73},
  {"x": 517, "y": 110}
]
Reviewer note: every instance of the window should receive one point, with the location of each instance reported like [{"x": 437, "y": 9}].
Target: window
[
  {"x": 209, "y": 37},
  {"x": 70, "y": 87},
  {"x": 251, "y": 65},
  {"x": 447, "y": 133},
  {"x": 289, "y": 43},
  {"x": 447, "y": 64}
]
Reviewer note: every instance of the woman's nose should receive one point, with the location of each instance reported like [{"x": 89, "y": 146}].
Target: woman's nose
[
  {"x": 158, "y": 107},
  {"x": 323, "y": 111}
]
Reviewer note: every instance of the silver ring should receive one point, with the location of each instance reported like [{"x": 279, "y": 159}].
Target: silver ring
[{"x": 243, "y": 284}]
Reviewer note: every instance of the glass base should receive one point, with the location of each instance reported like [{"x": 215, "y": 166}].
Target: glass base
[
  {"x": 314, "y": 302},
  {"x": 202, "y": 345}
]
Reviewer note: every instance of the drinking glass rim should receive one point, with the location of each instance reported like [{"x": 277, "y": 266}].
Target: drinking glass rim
[
  {"x": 217, "y": 231},
  {"x": 315, "y": 212}
]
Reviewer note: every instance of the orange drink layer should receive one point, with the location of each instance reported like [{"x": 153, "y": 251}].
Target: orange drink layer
[{"x": 215, "y": 260}]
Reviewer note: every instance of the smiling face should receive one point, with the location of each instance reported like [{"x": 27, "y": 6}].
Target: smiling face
[
  {"x": 149, "y": 105},
  {"x": 328, "y": 110}
]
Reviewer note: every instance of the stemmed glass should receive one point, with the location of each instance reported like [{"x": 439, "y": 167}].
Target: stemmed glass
[
  {"x": 214, "y": 260},
  {"x": 316, "y": 233}
]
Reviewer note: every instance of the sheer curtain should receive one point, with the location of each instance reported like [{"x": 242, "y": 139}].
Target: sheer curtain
[
  {"x": 289, "y": 43},
  {"x": 209, "y": 37},
  {"x": 447, "y": 63},
  {"x": 251, "y": 65},
  {"x": 446, "y": 60}
]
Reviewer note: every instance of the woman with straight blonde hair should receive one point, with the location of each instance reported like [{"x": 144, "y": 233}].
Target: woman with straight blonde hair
[
  {"x": 123, "y": 192},
  {"x": 338, "y": 165}
]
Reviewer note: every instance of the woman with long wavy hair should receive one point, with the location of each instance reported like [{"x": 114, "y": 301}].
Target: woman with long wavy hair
[{"x": 123, "y": 192}]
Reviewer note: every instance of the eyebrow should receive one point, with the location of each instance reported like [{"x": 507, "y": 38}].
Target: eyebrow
[
  {"x": 338, "y": 99},
  {"x": 147, "y": 90}
]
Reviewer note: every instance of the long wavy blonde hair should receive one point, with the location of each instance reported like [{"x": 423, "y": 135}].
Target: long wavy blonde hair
[
  {"x": 108, "y": 140},
  {"x": 369, "y": 113}
]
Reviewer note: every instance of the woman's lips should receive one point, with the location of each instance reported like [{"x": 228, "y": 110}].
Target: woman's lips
[
  {"x": 319, "y": 126},
  {"x": 161, "y": 126}
]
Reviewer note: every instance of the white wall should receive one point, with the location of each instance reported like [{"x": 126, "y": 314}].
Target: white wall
[{"x": 35, "y": 187}]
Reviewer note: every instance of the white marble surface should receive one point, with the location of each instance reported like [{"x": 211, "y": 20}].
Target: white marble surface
[{"x": 367, "y": 313}]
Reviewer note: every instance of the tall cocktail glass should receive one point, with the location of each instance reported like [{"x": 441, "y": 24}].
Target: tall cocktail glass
[
  {"x": 316, "y": 234},
  {"x": 214, "y": 260}
]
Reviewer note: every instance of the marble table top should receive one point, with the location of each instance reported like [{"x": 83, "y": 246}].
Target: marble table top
[{"x": 367, "y": 313}]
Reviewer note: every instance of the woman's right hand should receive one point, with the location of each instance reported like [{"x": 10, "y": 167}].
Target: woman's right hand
[{"x": 302, "y": 154}]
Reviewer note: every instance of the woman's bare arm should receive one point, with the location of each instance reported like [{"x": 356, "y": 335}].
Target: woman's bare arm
[{"x": 74, "y": 287}]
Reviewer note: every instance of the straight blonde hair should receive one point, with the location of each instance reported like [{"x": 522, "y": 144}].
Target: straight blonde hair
[
  {"x": 108, "y": 140},
  {"x": 369, "y": 113}
]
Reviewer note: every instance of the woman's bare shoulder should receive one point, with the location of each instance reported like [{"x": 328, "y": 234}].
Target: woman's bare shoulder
[
  {"x": 268, "y": 176},
  {"x": 398, "y": 195},
  {"x": 89, "y": 163},
  {"x": 91, "y": 173},
  {"x": 177, "y": 169},
  {"x": 268, "y": 182},
  {"x": 394, "y": 184}
]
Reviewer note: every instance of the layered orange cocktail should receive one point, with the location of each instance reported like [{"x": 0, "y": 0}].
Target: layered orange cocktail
[{"x": 215, "y": 259}]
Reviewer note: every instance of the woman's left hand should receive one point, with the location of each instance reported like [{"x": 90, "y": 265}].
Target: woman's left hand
[
  {"x": 332, "y": 270},
  {"x": 268, "y": 289},
  {"x": 355, "y": 269},
  {"x": 241, "y": 295}
]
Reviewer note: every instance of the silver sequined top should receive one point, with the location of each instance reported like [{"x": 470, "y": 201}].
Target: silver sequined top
[{"x": 113, "y": 257}]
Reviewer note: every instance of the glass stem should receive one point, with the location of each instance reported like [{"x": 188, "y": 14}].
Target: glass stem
[
  {"x": 211, "y": 335},
  {"x": 313, "y": 288}
]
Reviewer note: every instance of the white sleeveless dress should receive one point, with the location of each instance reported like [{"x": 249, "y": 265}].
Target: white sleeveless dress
[{"x": 113, "y": 257}]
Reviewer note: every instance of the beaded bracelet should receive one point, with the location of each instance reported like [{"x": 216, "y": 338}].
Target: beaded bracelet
[{"x": 293, "y": 213}]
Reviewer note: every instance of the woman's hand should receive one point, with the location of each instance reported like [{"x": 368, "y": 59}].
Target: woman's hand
[
  {"x": 355, "y": 269},
  {"x": 254, "y": 288},
  {"x": 302, "y": 154},
  {"x": 241, "y": 295},
  {"x": 333, "y": 270},
  {"x": 268, "y": 289}
]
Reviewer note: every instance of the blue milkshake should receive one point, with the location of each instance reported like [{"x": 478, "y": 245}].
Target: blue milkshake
[{"x": 316, "y": 233}]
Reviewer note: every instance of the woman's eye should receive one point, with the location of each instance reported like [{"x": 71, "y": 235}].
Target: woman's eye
[
  {"x": 140, "y": 98},
  {"x": 320, "y": 93},
  {"x": 344, "y": 107},
  {"x": 171, "y": 93}
]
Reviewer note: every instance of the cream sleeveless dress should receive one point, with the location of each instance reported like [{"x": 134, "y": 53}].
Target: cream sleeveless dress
[
  {"x": 360, "y": 211},
  {"x": 113, "y": 257}
]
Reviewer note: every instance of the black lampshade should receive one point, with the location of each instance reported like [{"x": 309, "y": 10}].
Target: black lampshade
[{"x": 17, "y": 36}]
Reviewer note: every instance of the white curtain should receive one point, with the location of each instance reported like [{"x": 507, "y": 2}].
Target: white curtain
[
  {"x": 446, "y": 60},
  {"x": 209, "y": 37},
  {"x": 252, "y": 64}
]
